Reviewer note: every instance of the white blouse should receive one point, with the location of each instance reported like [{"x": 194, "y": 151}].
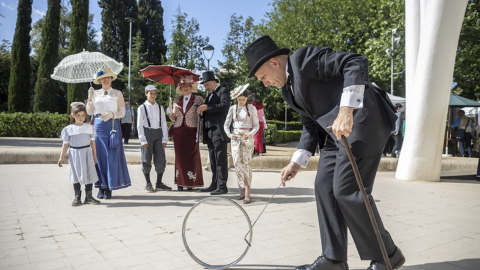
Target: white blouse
[
  {"x": 104, "y": 101},
  {"x": 241, "y": 119}
]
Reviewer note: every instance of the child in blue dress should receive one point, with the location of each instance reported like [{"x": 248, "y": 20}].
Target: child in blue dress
[{"x": 80, "y": 138}]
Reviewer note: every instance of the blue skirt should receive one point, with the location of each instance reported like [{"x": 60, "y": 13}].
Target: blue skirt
[{"x": 111, "y": 166}]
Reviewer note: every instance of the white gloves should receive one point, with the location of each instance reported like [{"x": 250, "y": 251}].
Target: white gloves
[
  {"x": 106, "y": 116},
  {"x": 90, "y": 93}
]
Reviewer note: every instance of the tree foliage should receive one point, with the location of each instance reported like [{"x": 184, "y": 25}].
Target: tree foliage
[
  {"x": 137, "y": 81},
  {"x": 45, "y": 87},
  {"x": 185, "y": 49},
  {"x": 64, "y": 34},
  {"x": 19, "y": 82},
  {"x": 467, "y": 63},
  {"x": 150, "y": 26},
  {"x": 78, "y": 42},
  {"x": 5, "y": 62}
]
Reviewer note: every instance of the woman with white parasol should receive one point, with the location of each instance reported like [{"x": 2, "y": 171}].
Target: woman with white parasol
[{"x": 108, "y": 107}]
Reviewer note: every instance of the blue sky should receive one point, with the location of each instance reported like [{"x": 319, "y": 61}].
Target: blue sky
[{"x": 212, "y": 15}]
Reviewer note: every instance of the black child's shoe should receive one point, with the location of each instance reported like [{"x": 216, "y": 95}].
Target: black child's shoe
[
  {"x": 89, "y": 199},
  {"x": 77, "y": 201}
]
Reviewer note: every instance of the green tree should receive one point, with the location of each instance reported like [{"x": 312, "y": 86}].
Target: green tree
[
  {"x": 45, "y": 87},
  {"x": 364, "y": 28},
  {"x": 5, "y": 62},
  {"x": 137, "y": 81},
  {"x": 150, "y": 26},
  {"x": 64, "y": 34},
  {"x": 185, "y": 50},
  {"x": 467, "y": 64},
  {"x": 19, "y": 81},
  {"x": 78, "y": 42}
]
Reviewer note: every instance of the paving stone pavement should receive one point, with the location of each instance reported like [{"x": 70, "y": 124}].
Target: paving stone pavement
[{"x": 436, "y": 224}]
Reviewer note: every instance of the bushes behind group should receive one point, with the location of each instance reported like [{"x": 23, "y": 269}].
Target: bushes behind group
[
  {"x": 40, "y": 125},
  {"x": 50, "y": 125}
]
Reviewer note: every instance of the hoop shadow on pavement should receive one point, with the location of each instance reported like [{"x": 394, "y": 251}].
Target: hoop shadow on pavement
[{"x": 469, "y": 177}]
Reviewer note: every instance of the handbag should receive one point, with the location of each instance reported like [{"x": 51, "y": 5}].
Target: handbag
[
  {"x": 170, "y": 130},
  {"x": 113, "y": 139}
]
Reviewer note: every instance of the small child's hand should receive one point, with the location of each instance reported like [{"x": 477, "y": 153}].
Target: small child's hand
[
  {"x": 145, "y": 146},
  {"x": 164, "y": 145},
  {"x": 60, "y": 162}
]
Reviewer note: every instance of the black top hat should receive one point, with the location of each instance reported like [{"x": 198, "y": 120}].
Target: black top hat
[
  {"x": 260, "y": 51},
  {"x": 208, "y": 76},
  {"x": 398, "y": 105}
]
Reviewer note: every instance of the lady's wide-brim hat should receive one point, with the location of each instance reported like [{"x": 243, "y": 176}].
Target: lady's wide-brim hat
[
  {"x": 103, "y": 72},
  {"x": 208, "y": 76},
  {"x": 260, "y": 51},
  {"x": 187, "y": 81},
  {"x": 238, "y": 91}
]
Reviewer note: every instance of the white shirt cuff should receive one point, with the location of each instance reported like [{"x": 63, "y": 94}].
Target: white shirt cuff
[
  {"x": 352, "y": 96},
  {"x": 301, "y": 157}
]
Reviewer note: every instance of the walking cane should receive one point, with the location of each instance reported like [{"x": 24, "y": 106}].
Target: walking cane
[{"x": 365, "y": 200}]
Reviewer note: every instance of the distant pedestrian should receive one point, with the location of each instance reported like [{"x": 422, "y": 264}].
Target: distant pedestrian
[
  {"x": 241, "y": 126},
  {"x": 80, "y": 138},
  {"x": 152, "y": 133},
  {"x": 127, "y": 122},
  {"x": 259, "y": 136},
  {"x": 397, "y": 133},
  {"x": 465, "y": 127}
]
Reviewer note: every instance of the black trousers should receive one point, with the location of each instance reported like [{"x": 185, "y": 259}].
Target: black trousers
[
  {"x": 340, "y": 205},
  {"x": 126, "y": 131},
  {"x": 217, "y": 150}
]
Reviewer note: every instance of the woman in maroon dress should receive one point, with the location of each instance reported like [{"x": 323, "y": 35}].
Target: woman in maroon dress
[
  {"x": 188, "y": 167},
  {"x": 259, "y": 141}
]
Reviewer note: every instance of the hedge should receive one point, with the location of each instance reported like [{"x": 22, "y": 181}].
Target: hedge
[
  {"x": 274, "y": 136},
  {"x": 40, "y": 125},
  {"x": 293, "y": 125}
]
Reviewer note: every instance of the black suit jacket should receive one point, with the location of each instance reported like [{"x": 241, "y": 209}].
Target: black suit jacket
[
  {"x": 216, "y": 114},
  {"x": 318, "y": 76}
]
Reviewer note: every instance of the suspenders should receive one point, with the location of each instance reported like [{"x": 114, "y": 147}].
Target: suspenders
[{"x": 148, "y": 119}]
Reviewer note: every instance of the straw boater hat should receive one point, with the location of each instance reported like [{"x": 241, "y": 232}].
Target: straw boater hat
[
  {"x": 186, "y": 81},
  {"x": 260, "y": 51},
  {"x": 103, "y": 72},
  {"x": 238, "y": 91}
]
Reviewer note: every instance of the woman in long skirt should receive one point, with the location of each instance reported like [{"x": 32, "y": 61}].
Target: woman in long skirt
[
  {"x": 188, "y": 167},
  {"x": 108, "y": 107},
  {"x": 245, "y": 125},
  {"x": 259, "y": 136}
]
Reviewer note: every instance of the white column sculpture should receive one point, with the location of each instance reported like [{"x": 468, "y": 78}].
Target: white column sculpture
[{"x": 432, "y": 33}]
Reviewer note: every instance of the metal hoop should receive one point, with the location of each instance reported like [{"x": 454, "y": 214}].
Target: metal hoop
[{"x": 202, "y": 263}]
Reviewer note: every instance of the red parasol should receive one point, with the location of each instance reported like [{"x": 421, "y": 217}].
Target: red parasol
[{"x": 167, "y": 74}]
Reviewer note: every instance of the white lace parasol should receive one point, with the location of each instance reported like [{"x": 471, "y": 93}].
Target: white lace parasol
[{"x": 81, "y": 67}]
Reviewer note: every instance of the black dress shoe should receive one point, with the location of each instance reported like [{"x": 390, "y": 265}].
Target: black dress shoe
[
  {"x": 397, "y": 260},
  {"x": 209, "y": 189},
  {"x": 322, "y": 263},
  {"x": 219, "y": 191}
]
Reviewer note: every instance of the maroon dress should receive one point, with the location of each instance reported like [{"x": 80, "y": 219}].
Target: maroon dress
[
  {"x": 259, "y": 142},
  {"x": 188, "y": 166}
]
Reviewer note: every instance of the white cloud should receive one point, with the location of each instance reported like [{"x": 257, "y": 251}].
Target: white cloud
[
  {"x": 39, "y": 12},
  {"x": 99, "y": 36},
  {"x": 7, "y": 6}
]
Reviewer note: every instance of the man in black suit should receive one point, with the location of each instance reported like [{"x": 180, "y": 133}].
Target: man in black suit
[
  {"x": 329, "y": 88},
  {"x": 215, "y": 111}
]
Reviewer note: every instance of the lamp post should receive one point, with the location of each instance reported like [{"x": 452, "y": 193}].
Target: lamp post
[
  {"x": 208, "y": 48},
  {"x": 130, "y": 20},
  {"x": 391, "y": 51}
]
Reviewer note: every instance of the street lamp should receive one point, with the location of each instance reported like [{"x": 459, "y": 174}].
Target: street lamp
[
  {"x": 130, "y": 20},
  {"x": 208, "y": 48},
  {"x": 391, "y": 52}
]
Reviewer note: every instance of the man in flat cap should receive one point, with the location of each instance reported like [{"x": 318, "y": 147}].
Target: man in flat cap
[{"x": 331, "y": 88}]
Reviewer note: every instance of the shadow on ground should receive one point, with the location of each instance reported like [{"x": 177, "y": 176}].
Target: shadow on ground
[{"x": 460, "y": 177}]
